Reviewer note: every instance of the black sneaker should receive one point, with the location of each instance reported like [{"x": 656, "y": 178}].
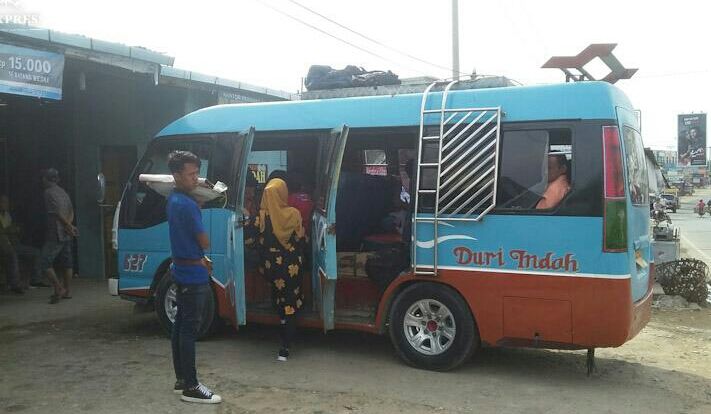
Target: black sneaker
[
  {"x": 179, "y": 387},
  {"x": 283, "y": 355},
  {"x": 200, "y": 394},
  {"x": 18, "y": 290}
]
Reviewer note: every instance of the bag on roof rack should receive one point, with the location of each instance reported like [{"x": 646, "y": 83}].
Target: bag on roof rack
[{"x": 325, "y": 77}]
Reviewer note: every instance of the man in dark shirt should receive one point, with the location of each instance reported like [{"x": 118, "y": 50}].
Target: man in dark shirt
[
  {"x": 188, "y": 242},
  {"x": 11, "y": 249},
  {"x": 58, "y": 236}
]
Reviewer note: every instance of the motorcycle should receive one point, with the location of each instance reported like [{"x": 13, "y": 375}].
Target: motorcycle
[
  {"x": 660, "y": 216},
  {"x": 700, "y": 211}
]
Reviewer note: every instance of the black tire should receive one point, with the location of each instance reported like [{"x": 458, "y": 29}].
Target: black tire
[
  {"x": 673, "y": 210},
  {"x": 466, "y": 337},
  {"x": 210, "y": 320}
]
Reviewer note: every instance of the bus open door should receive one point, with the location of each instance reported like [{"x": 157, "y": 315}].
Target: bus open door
[
  {"x": 234, "y": 255},
  {"x": 323, "y": 237}
]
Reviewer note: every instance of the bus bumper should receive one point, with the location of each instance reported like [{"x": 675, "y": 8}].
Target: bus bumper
[{"x": 641, "y": 314}]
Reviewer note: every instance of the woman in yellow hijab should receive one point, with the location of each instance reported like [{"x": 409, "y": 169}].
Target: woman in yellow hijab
[{"x": 281, "y": 241}]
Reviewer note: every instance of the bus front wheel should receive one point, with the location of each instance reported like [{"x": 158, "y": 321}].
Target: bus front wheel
[
  {"x": 166, "y": 308},
  {"x": 431, "y": 327}
]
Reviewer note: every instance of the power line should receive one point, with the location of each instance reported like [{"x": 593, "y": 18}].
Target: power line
[
  {"x": 370, "y": 39},
  {"x": 331, "y": 35}
]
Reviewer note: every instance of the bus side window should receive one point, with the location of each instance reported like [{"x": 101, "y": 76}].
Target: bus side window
[
  {"x": 523, "y": 169},
  {"x": 221, "y": 169},
  {"x": 375, "y": 162}
]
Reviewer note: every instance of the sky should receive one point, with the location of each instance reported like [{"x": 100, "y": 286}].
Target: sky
[{"x": 255, "y": 41}]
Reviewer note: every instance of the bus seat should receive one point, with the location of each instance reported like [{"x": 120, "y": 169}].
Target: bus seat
[
  {"x": 362, "y": 202},
  {"x": 379, "y": 241}
]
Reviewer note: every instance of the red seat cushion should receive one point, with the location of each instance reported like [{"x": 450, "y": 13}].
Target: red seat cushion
[{"x": 384, "y": 238}]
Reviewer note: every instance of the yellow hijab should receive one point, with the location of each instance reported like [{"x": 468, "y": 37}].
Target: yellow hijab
[{"x": 275, "y": 205}]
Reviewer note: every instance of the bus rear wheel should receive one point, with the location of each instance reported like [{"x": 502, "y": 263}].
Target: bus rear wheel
[
  {"x": 166, "y": 308},
  {"x": 431, "y": 327}
]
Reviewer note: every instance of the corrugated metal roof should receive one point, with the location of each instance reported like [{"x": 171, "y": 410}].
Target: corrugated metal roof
[
  {"x": 83, "y": 42},
  {"x": 82, "y": 46},
  {"x": 171, "y": 72}
]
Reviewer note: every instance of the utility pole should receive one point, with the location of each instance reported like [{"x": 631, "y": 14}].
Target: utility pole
[{"x": 455, "y": 39}]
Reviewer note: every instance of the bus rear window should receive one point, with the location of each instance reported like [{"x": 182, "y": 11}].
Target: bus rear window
[{"x": 637, "y": 181}]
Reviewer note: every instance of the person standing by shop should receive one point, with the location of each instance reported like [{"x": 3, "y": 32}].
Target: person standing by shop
[
  {"x": 58, "y": 236},
  {"x": 281, "y": 243},
  {"x": 190, "y": 270}
]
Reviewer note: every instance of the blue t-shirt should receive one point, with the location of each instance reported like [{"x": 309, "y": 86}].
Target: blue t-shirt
[{"x": 185, "y": 223}]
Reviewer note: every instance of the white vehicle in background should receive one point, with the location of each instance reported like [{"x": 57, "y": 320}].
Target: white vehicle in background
[{"x": 671, "y": 201}]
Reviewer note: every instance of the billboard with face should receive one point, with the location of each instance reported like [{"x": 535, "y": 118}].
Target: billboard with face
[{"x": 692, "y": 139}]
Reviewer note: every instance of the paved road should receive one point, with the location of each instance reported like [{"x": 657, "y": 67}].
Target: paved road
[{"x": 695, "y": 232}]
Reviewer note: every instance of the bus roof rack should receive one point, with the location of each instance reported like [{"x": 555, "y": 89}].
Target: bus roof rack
[
  {"x": 568, "y": 64},
  {"x": 409, "y": 85}
]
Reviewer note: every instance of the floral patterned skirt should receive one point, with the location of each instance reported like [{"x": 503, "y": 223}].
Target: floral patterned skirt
[{"x": 283, "y": 269}]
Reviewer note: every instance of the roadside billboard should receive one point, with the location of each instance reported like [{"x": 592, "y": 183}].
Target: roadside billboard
[{"x": 691, "y": 130}]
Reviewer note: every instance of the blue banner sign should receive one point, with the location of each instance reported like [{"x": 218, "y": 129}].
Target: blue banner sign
[{"x": 31, "y": 72}]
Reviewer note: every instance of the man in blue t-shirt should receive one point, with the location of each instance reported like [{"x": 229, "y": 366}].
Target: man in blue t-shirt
[{"x": 188, "y": 242}]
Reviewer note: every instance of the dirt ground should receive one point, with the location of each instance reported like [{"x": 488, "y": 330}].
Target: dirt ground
[{"x": 93, "y": 353}]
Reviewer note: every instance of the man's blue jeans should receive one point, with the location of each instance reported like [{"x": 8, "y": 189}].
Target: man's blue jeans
[{"x": 191, "y": 301}]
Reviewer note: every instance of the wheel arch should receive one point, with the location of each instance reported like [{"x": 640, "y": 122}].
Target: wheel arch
[
  {"x": 398, "y": 286},
  {"x": 158, "y": 275}
]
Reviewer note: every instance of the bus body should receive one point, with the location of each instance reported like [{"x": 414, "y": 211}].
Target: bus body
[{"x": 484, "y": 266}]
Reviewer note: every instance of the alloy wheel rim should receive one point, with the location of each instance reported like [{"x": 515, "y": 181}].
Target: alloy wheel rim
[
  {"x": 171, "y": 303},
  {"x": 429, "y": 327}
]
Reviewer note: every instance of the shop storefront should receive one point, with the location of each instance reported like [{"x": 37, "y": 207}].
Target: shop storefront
[{"x": 85, "y": 107}]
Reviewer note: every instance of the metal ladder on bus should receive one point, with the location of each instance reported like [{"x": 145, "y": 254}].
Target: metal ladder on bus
[{"x": 465, "y": 167}]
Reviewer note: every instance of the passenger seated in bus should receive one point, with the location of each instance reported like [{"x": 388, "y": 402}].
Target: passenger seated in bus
[
  {"x": 359, "y": 216},
  {"x": 396, "y": 224},
  {"x": 558, "y": 183}
]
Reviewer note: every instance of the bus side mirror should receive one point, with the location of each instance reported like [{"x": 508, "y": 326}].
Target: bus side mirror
[{"x": 100, "y": 188}]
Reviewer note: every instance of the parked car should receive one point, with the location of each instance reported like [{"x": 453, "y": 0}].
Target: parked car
[{"x": 672, "y": 201}]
